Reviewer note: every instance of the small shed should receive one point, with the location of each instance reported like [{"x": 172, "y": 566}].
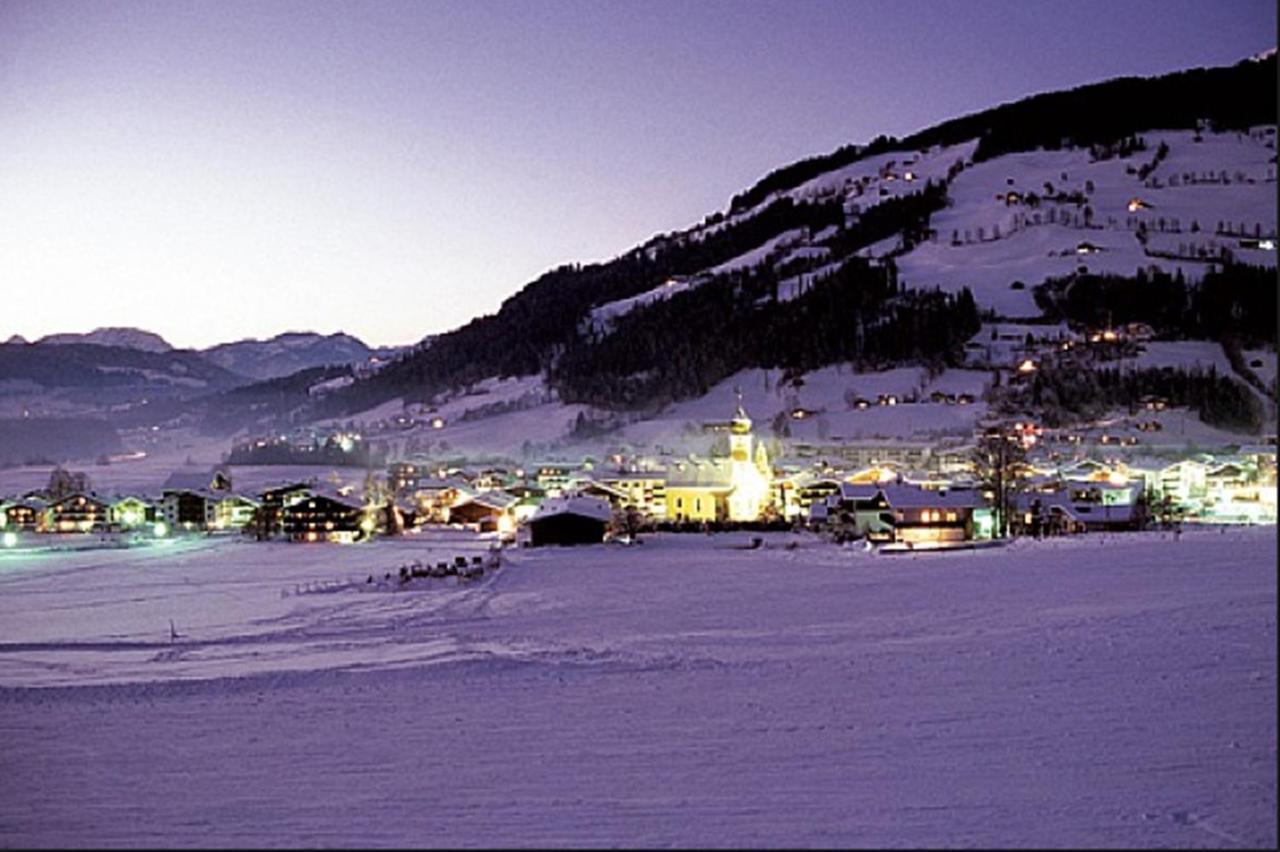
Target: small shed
[{"x": 572, "y": 520}]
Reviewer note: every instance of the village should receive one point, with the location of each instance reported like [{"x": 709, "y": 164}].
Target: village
[{"x": 1012, "y": 480}]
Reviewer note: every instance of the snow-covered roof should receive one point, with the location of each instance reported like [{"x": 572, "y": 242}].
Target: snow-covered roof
[
  {"x": 496, "y": 499},
  {"x": 349, "y": 501},
  {"x": 588, "y": 507},
  {"x": 909, "y": 497},
  {"x": 858, "y": 490},
  {"x": 706, "y": 474},
  {"x": 189, "y": 480}
]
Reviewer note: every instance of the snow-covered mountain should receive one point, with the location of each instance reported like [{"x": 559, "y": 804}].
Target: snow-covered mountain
[
  {"x": 127, "y": 338},
  {"x": 288, "y": 353},
  {"x": 829, "y": 263}
]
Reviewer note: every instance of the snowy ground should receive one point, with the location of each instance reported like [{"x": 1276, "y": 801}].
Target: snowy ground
[{"x": 1101, "y": 691}]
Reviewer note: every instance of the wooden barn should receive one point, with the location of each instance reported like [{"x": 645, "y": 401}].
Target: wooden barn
[{"x": 572, "y": 520}]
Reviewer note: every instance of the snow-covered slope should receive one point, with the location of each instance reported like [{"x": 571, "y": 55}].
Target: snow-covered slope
[
  {"x": 986, "y": 243},
  {"x": 1209, "y": 191}
]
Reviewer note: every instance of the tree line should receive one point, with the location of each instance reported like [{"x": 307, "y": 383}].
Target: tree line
[
  {"x": 1067, "y": 394},
  {"x": 683, "y": 346},
  {"x": 1237, "y": 299}
]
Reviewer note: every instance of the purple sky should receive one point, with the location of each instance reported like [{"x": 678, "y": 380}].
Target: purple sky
[{"x": 218, "y": 170}]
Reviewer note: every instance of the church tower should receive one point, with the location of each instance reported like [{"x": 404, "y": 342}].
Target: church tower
[{"x": 749, "y": 471}]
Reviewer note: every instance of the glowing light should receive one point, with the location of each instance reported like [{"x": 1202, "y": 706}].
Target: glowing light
[
  {"x": 160, "y": 530},
  {"x": 10, "y": 538},
  {"x": 437, "y": 423},
  {"x": 1027, "y": 366}
]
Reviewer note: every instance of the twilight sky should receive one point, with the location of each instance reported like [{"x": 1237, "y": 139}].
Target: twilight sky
[{"x": 218, "y": 170}]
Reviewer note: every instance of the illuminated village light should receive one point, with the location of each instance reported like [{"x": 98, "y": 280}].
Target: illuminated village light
[
  {"x": 10, "y": 538},
  {"x": 160, "y": 530}
]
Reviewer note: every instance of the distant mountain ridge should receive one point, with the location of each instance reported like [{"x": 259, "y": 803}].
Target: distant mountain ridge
[
  {"x": 251, "y": 358},
  {"x": 126, "y": 338},
  {"x": 288, "y": 353}
]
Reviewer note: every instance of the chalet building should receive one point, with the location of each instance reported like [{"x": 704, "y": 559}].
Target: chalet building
[
  {"x": 273, "y": 502},
  {"x": 815, "y": 489},
  {"x": 907, "y": 513},
  {"x": 906, "y": 454},
  {"x": 130, "y": 511},
  {"x": 860, "y": 509},
  {"x": 569, "y": 521},
  {"x": 557, "y": 478},
  {"x": 645, "y": 490},
  {"x": 493, "y": 479},
  {"x": 189, "y": 509},
  {"x": 1078, "y": 507},
  {"x": 529, "y": 498},
  {"x": 79, "y": 513},
  {"x": 794, "y": 495},
  {"x": 402, "y": 477},
  {"x": 923, "y": 515},
  {"x": 1085, "y": 470},
  {"x": 435, "y": 496},
  {"x": 1239, "y": 491},
  {"x": 326, "y": 516},
  {"x": 27, "y": 513},
  {"x": 491, "y": 511},
  {"x": 234, "y": 511},
  {"x": 1184, "y": 482}
]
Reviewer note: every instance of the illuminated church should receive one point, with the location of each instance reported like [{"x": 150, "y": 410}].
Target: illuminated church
[{"x": 737, "y": 488}]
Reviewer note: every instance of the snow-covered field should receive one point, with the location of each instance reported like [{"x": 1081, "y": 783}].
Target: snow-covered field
[{"x": 1098, "y": 691}]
